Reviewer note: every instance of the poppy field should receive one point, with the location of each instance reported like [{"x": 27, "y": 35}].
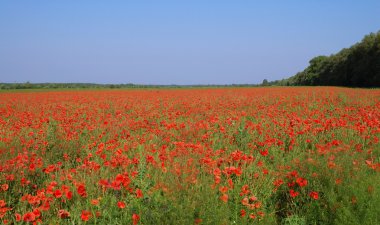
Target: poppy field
[{"x": 289, "y": 155}]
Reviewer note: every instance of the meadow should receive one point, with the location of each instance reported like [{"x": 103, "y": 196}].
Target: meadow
[{"x": 289, "y": 155}]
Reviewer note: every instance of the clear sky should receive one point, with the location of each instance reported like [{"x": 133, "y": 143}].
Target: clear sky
[{"x": 174, "y": 42}]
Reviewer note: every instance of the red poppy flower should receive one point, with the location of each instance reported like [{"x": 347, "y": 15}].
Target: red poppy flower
[
  {"x": 198, "y": 221},
  {"x": 302, "y": 182},
  {"x": 139, "y": 193},
  {"x": 69, "y": 195},
  {"x": 293, "y": 193},
  {"x": 57, "y": 193},
  {"x": 81, "y": 189},
  {"x": 135, "y": 218},
  {"x": 86, "y": 215},
  {"x": 63, "y": 214},
  {"x": 314, "y": 195},
  {"x": 264, "y": 153},
  {"x": 224, "y": 198},
  {"x": 94, "y": 202},
  {"x": 17, "y": 217},
  {"x": 121, "y": 205},
  {"x": 37, "y": 213},
  {"x": 29, "y": 217},
  {"x": 4, "y": 187}
]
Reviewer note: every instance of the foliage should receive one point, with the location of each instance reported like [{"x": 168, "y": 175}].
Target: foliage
[
  {"x": 357, "y": 66},
  {"x": 28, "y": 85}
]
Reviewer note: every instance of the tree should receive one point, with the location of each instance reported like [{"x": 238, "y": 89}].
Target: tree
[{"x": 357, "y": 66}]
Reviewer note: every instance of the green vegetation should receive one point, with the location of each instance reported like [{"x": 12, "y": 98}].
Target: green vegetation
[
  {"x": 357, "y": 66},
  {"x": 28, "y": 85}
]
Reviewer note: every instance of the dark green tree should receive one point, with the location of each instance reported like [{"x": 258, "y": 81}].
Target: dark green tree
[{"x": 357, "y": 66}]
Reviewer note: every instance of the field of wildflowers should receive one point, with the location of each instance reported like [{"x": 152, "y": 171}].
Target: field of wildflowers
[{"x": 191, "y": 156}]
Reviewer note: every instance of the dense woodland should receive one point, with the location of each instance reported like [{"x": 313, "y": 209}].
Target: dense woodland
[{"x": 357, "y": 66}]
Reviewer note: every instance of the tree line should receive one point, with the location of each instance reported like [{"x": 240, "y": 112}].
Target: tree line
[
  {"x": 357, "y": 66},
  {"x": 28, "y": 85}
]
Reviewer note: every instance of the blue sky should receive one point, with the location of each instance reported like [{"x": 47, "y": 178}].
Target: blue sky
[{"x": 174, "y": 42}]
